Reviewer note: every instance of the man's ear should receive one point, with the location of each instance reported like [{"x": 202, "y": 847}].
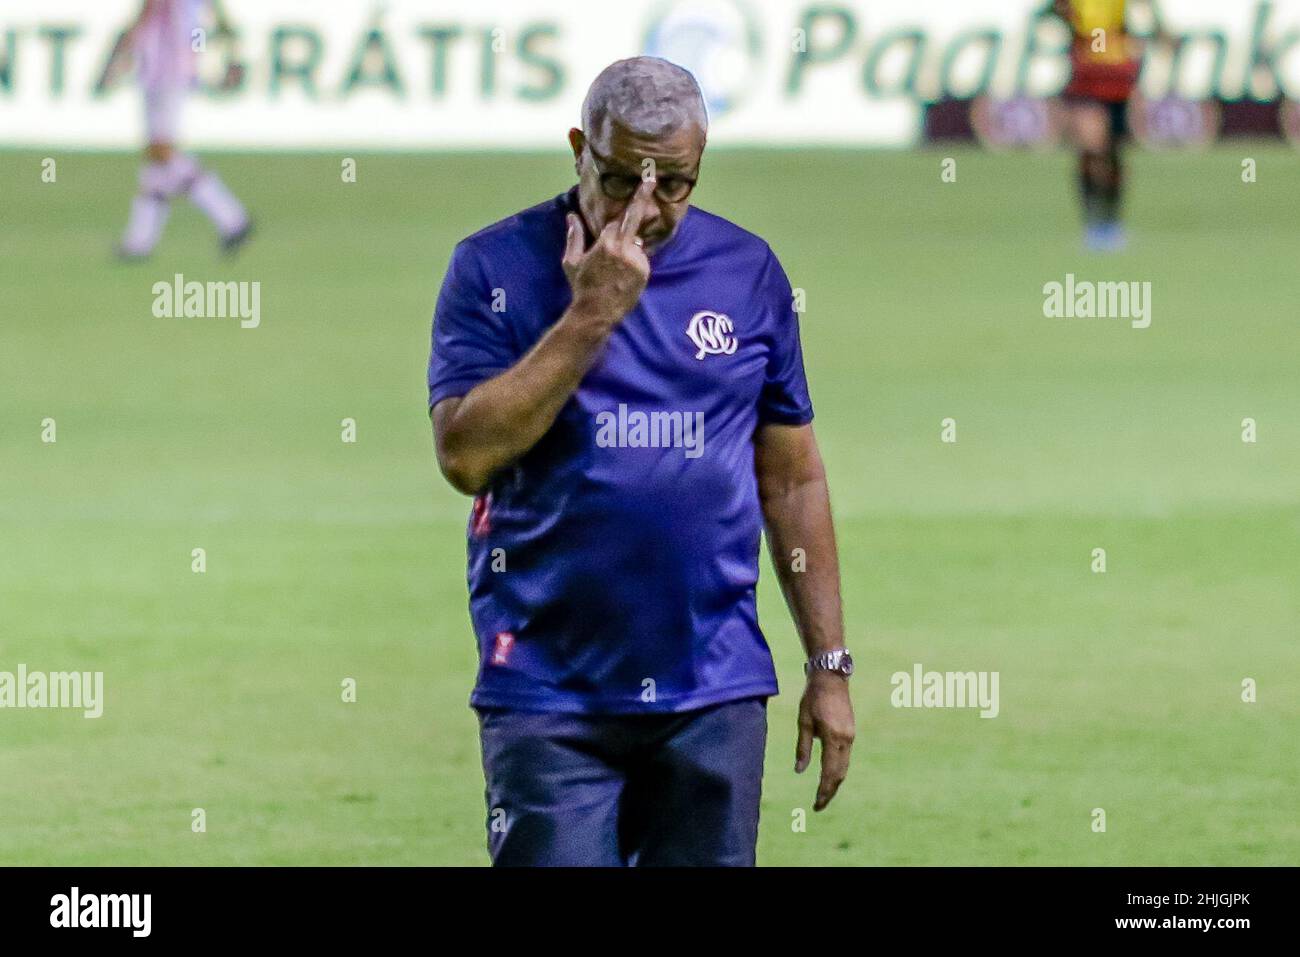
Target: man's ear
[{"x": 577, "y": 141}]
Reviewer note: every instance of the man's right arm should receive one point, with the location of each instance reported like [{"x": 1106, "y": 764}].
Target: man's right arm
[
  {"x": 497, "y": 421},
  {"x": 478, "y": 434}
]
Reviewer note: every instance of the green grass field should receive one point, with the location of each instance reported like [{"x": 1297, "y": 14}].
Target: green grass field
[{"x": 328, "y": 560}]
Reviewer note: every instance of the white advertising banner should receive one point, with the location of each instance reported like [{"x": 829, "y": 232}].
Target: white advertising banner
[{"x": 416, "y": 74}]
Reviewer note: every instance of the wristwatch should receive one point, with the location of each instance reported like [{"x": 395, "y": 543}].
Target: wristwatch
[{"x": 838, "y": 661}]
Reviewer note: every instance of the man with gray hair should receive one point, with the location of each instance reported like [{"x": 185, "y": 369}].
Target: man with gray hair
[{"x": 623, "y": 679}]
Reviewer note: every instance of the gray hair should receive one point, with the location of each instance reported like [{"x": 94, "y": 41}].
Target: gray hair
[{"x": 645, "y": 94}]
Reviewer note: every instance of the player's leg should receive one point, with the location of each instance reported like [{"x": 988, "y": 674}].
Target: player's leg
[
  {"x": 1113, "y": 183},
  {"x": 215, "y": 200},
  {"x": 695, "y": 799},
  {"x": 1092, "y": 129},
  {"x": 150, "y": 208},
  {"x": 1088, "y": 134},
  {"x": 553, "y": 790},
  {"x": 160, "y": 180}
]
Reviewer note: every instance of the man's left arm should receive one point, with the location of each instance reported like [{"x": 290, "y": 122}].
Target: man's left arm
[{"x": 797, "y": 512}]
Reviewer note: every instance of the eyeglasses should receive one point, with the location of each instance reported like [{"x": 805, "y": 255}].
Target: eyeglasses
[{"x": 670, "y": 188}]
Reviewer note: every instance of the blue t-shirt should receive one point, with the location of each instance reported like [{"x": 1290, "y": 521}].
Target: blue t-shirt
[{"x": 612, "y": 568}]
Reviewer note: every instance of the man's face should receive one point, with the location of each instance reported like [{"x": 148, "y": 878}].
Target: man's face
[{"x": 619, "y": 162}]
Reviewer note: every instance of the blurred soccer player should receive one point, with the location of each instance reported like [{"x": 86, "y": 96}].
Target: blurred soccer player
[
  {"x": 1105, "y": 59},
  {"x": 616, "y": 377},
  {"x": 162, "y": 41}
]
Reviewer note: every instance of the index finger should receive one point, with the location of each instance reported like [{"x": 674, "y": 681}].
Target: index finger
[
  {"x": 636, "y": 209},
  {"x": 573, "y": 240}
]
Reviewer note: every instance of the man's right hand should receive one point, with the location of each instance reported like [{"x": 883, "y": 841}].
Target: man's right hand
[
  {"x": 501, "y": 418},
  {"x": 608, "y": 279}
]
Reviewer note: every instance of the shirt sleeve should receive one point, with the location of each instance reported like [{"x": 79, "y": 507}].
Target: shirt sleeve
[
  {"x": 784, "y": 399},
  {"x": 471, "y": 341}
]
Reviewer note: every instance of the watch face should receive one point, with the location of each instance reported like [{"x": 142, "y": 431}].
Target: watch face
[{"x": 846, "y": 664}]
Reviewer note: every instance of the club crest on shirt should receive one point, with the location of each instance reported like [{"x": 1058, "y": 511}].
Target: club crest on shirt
[
  {"x": 712, "y": 334},
  {"x": 501, "y": 648}
]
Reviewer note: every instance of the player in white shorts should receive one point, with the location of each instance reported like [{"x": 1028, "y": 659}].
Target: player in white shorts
[{"x": 162, "y": 42}]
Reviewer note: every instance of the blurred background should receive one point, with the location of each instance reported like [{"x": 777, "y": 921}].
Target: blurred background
[
  {"x": 365, "y": 139},
  {"x": 406, "y": 74}
]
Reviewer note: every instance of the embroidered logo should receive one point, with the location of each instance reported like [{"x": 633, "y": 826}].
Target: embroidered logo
[
  {"x": 711, "y": 333},
  {"x": 481, "y": 519},
  {"x": 501, "y": 650}
]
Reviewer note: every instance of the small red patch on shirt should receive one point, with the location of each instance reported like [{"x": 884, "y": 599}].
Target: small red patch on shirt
[
  {"x": 501, "y": 651},
  {"x": 481, "y": 522}
]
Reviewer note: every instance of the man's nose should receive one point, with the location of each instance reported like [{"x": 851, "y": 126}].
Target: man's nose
[
  {"x": 651, "y": 212},
  {"x": 653, "y": 217}
]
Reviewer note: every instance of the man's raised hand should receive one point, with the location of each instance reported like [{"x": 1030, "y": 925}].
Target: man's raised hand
[{"x": 608, "y": 278}]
